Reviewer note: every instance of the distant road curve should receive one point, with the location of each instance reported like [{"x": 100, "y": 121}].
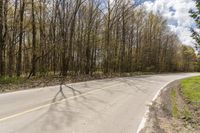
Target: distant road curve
[{"x": 114, "y": 105}]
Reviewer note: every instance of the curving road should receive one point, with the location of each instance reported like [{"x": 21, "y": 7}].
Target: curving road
[{"x": 114, "y": 105}]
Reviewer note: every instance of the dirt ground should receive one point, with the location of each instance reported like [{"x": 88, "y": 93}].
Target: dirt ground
[{"x": 161, "y": 118}]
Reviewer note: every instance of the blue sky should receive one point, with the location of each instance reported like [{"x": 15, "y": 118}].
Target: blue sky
[
  {"x": 142, "y": 1},
  {"x": 176, "y": 13}
]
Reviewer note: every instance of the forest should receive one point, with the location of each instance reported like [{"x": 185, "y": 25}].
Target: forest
[{"x": 84, "y": 37}]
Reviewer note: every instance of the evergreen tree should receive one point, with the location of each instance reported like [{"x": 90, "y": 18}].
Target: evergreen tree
[{"x": 195, "y": 14}]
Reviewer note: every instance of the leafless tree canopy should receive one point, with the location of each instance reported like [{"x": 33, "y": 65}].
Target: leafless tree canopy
[{"x": 86, "y": 36}]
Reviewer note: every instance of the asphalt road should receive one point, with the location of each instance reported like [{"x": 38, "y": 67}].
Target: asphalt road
[{"x": 102, "y": 106}]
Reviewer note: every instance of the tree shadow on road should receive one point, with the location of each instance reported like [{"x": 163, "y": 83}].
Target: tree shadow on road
[
  {"x": 131, "y": 83},
  {"x": 62, "y": 113},
  {"x": 64, "y": 110}
]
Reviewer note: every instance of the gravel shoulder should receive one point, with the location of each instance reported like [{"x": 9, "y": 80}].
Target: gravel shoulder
[{"x": 172, "y": 113}]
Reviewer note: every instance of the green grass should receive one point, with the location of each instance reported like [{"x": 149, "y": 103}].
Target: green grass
[
  {"x": 175, "y": 110},
  {"x": 186, "y": 112},
  {"x": 11, "y": 80},
  {"x": 191, "y": 88},
  {"x": 191, "y": 91}
]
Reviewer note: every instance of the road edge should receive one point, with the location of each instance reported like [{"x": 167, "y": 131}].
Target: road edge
[{"x": 146, "y": 114}]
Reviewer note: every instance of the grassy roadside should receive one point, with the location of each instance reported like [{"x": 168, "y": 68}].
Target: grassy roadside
[
  {"x": 180, "y": 109},
  {"x": 177, "y": 109},
  {"x": 8, "y": 84},
  {"x": 185, "y": 102},
  {"x": 11, "y": 80},
  {"x": 191, "y": 89}
]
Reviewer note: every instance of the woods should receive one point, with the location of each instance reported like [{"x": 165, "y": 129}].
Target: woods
[{"x": 78, "y": 37}]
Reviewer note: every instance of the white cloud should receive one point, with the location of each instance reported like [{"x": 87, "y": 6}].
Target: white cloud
[{"x": 177, "y": 14}]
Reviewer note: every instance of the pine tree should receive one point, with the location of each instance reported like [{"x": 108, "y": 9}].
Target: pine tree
[{"x": 196, "y": 16}]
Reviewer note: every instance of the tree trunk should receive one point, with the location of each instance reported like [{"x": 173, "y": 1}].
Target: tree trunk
[
  {"x": 1, "y": 40},
  {"x": 19, "y": 59},
  {"x": 33, "y": 71}
]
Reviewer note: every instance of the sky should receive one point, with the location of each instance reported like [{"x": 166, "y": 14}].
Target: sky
[{"x": 176, "y": 13}]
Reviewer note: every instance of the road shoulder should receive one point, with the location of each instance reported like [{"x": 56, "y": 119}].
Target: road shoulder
[{"x": 169, "y": 113}]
